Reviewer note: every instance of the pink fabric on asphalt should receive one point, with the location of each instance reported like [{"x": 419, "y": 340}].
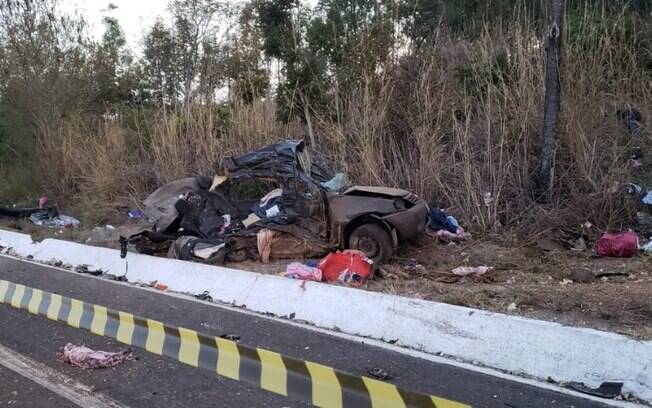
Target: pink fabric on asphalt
[{"x": 84, "y": 357}]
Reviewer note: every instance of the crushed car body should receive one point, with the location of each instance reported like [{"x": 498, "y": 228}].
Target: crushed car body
[{"x": 273, "y": 203}]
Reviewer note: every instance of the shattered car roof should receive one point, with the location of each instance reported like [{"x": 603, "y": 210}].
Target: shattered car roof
[{"x": 284, "y": 160}]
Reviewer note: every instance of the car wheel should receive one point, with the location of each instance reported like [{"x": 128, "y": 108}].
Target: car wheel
[{"x": 374, "y": 241}]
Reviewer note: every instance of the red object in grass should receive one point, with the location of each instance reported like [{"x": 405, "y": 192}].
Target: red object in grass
[
  {"x": 348, "y": 267},
  {"x": 622, "y": 245}
]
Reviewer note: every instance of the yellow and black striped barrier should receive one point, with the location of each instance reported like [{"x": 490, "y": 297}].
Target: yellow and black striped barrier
[{"x": 317, "y": 384}]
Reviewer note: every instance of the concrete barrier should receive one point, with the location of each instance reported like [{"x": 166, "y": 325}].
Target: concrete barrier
[{"x": 518, "y": 345}]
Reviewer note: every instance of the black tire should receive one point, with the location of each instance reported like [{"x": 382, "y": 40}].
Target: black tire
[{"x": 373, "y": 240}]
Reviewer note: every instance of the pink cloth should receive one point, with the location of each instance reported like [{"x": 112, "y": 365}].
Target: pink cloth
[
  {"x": 460, "y": 235},
  {"x": 297, "y": 270},
  {"x": 264, "y": 240},
  {"x": 623, "y": 245},
  {"x": 84, "y": 357}
]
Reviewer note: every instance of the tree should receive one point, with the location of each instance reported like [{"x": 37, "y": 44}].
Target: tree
[
  {"x": 195, "y": 22},
  {"x": 113, "y": 67},
  {"x": 242, "y": 62},
  {"x": 552, "y": 103},
  {"x": 421, "y": 19},
  {"x": 44, "y": 72},
  {"x": 283, "y": 24},
  {"x": 161, "y": 73},
  {"x": 44, "y": 53},
  {"x": 44, "y": 77},
  {"x": 356, "y": 36},
  {"x": 336, "y": 46}
]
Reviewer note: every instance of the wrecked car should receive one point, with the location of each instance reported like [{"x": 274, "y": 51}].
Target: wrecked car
[{"x": 274, "y": 202}]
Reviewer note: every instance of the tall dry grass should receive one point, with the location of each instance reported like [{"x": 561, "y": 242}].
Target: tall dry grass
[
  {"x": 459, "y": 125},
  {"x": 462, "y": 126},
  {"x": 98, "y": 167}
]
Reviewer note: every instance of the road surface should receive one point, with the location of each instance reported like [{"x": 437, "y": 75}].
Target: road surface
[{"x": 38, "y": 379}]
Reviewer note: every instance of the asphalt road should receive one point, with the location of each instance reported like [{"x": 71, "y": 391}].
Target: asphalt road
[
  {"x": 16, "y": 391},
  {"x": 153, "y": 381}
]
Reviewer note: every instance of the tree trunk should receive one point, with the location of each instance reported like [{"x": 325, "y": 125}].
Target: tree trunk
[
  {"x": 552, "y": 102},
  {"x": 306, "y": 114}
]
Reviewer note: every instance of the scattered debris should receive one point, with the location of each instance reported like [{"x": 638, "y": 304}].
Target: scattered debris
[
  {"x": 644, "y": 220},
  {"x": 85, "y": 270},
  {"x": 621, "y": 245},
  {"x": 13, "y": 212},
  {"x": 232, "y": 337},
  {"x": 336, "y": 184},
  {"x": 205, "y": 250},
  {"x": 471, "y": 270},
  {"x": 204, "y": 296},
  {"x": 41, "y": 216},
  {"x": 488, "y": 199},
  {"x": 135, "y": 214},
  {"x": 297, "y": 270},
  {"x": 84, "y": 357},
  {"x": 633, "y": 189},
  {"x": 607, "y": 389},
  {"x": 46, "y": 219},
  {"x": 648, "y": 247},
  {"x": 647, "y": 198},
  {"x": 379, "y": 373},
  {"x": 159, "y": 286}
]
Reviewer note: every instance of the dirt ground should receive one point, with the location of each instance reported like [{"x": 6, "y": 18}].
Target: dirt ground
[
  {"x": 529, "y": 281},
  {"x": 537, "y": 281}
]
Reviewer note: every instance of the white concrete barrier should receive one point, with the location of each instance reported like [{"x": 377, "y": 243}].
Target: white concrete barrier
[{"x": 522, "y": 346}]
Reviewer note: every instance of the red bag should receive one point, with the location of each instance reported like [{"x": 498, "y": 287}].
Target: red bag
[
  {"x": 623, "y": 245},
  {"x": 349, "y": 267}
]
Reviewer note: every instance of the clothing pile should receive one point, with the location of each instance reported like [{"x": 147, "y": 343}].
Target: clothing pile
[
  {"x": 445, "y": 226},
  {"x": 42, "y": 215}
]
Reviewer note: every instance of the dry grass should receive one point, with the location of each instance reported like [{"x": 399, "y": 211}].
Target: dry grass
[
  {"x": 90, "y": 167},
  {"x": 456, "y": 126},
  {"x": 464, "y": 124}
]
